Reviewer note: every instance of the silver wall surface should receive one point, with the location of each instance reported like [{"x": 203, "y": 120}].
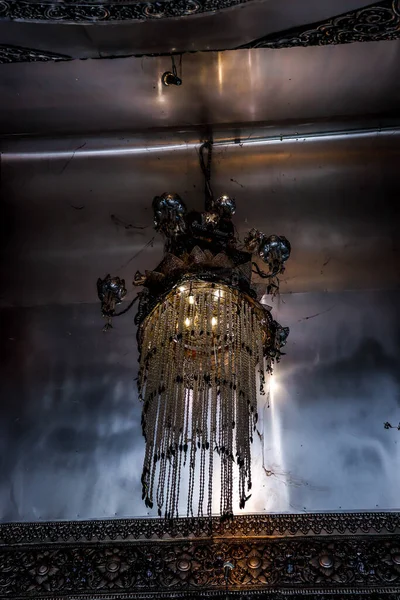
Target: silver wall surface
[
  {"x": 294, "y": 85},
  {"x": 71, "y": 216},
  {"x": 76, "y": 208},
  {"x": 71, "y": 444}
]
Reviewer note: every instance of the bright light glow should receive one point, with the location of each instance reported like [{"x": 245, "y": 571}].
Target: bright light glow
[
  {"x": 191, "y": 299},
  {"x": 160, "y": 95},
  {"x": 273, "y": 385},
  {"x": 218, "y": 293},
  {"x": 214, "y": 321},
  {"x": 187, "y": 321},
  {"x": 278, "y": 456},
  {"x": 220, "y": 72},
  {"x": 181, "y": 289}
]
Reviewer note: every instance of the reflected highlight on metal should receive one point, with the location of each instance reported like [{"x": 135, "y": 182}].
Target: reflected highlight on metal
[{"x": 375, "y": 133}]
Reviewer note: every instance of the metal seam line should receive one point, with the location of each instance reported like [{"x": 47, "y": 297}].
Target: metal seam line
[{"x": 262, "y": 141}]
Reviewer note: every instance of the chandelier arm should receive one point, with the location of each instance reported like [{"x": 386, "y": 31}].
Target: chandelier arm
[
  {"x": 122, "y": 312},
  {"x": 263, "y": 274},
  {"x": 206, "y": 170}
]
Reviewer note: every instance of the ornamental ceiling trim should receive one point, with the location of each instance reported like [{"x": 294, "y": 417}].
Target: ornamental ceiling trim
[
  {"x": 285, "y": 525},
  {"x": 374, "y": 23},
  {"x": 377, "y": 22},
  {"x": 94, "y": 11},
  {"x": 15, "y": 54},
  {"x": 315, "y": 556}
]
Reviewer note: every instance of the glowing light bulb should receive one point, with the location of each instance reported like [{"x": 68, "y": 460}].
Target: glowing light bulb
[
  {"x": 191, "y": 299},
  {"x": 187, "y": 321},
  {"x": 181, "y": 289},
  {"x": 214, "y": 321},
  {"x": 218, "y": 293}
]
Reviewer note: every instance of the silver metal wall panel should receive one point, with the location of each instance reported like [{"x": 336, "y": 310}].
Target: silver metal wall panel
[
  {"x": 335, "y": 198},
  {"x": 70, "y": 439},
  {"x": 244, "y": 86}
]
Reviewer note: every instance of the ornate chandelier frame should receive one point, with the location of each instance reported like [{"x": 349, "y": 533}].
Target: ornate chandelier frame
[{"x": 205, "y": 342}]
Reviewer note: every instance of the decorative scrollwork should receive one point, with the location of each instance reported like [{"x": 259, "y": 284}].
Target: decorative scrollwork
[
  {"x": 89, "y": 11},
  {"x": 13, "y": 54},
  {"x": 380, "y": 21},
  {"x": 324, "y": 524}
]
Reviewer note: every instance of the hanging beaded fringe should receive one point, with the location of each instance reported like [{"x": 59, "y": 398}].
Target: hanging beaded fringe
[{"x": 201, "y": 349}]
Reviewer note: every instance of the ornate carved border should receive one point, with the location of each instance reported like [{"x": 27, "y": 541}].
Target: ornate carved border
[
  {"x": 314, "y": 556},
  {"x": 13, "y": 54},
  {"x": 380, "y": 21},
  {"x": 95, "y": 11},
  {"x": 377, "y": 22},
  {"x": 246, "y": 526}
]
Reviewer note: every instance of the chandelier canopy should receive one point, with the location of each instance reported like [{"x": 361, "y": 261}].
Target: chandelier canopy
[{"x": 206, "y": 345}]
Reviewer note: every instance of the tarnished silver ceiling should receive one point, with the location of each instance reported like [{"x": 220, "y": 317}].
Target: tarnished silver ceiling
[{"x": 350, "y": 83}]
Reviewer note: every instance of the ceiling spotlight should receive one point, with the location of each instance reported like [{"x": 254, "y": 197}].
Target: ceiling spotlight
[{"x": 169, "y": 78}]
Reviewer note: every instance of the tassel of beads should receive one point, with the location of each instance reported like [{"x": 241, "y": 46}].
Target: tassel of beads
[{"x": 202, "y": 348}]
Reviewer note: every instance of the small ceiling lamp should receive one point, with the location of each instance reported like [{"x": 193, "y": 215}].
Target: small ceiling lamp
[{"x": 206, "y": 344}]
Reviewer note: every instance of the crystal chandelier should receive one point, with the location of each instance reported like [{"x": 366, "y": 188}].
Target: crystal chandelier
[{"x": 206, "y": 344}]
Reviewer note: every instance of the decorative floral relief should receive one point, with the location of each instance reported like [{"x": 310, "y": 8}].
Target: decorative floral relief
[{"x": 343, "y": 564}]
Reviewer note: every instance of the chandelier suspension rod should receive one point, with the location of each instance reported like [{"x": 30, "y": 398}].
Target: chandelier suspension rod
[{"x": 205, "y": 165}]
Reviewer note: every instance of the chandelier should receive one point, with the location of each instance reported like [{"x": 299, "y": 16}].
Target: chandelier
[{"x": 206, "y": 345}]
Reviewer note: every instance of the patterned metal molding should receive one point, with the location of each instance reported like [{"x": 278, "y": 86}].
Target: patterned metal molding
[
  {"x": 13, "y": 54},
  {"x": 320, "y": 556},
  {"x": 95, "y": 11},
  {"x": 380, "y": 21},
  {"x": 246, "y": 526}
]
